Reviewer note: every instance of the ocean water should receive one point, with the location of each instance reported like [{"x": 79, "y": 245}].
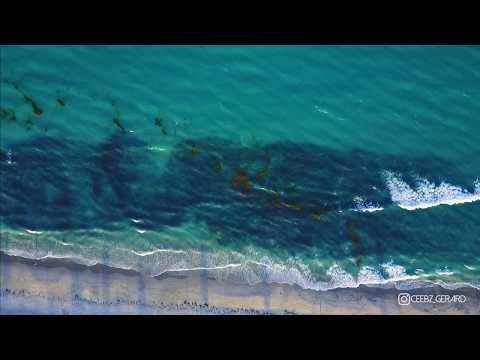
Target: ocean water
[{"x": 321, "y": 166}]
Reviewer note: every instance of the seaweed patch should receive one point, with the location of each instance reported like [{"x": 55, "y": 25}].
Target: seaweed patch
[
  {"x": 194, "y": 149},
  {"x": 7, "y": 114},
  {"x": 35, "y": 108},
  {"x": 116, "y": 118},
  {"x": 117, "y": 122},
  {"x": 262, "y": 173},
  {"x": 295, "y": 205},
  {"x": 29, "y": 124},
  {"x": 352, "y": 234},
  {"x": 277, "y": 200},
  {"x": 241, "y": 182},
  {"x": 159, "y": 123},
  {"x": 12, "y": 83},
  {"x": 355, "y": 239},
  {"x": 218, "y": 167}
]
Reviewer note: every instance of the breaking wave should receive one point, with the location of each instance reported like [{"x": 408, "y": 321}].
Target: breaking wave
[
  {"x": 252, "y": 268},
  {"x": 366, "y": 206},
  {"x": 427, "y": 194}
]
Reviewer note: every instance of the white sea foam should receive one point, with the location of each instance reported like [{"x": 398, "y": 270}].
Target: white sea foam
[
  {"x": 266, "y": 190},
  {"x": 365, "y": 206},
  {"x": 394, "y": 271},
  {"x": 147, "y": 253},
  {"x": 33, "y": 232},
  {"x": 222, "y": 267},
  {"x": 249, "y": 267},
  {"x": 445, "y": 272},
  {"x": 368, "y": 276},
  {"x": 65, "y": 244},
  {"x": 254, "y": 272},
  {"x": 49, "y": 255},
  {"x": 157, "y": 148},
  {"x": 427, "y": 194},
  {"x": 370, "y": 209}
]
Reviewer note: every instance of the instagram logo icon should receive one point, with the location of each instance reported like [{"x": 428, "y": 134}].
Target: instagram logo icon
[{"x": 404, "y": 299}]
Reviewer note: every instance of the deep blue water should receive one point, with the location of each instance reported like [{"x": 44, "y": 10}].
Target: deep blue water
[{"x": 323, "y": 166}]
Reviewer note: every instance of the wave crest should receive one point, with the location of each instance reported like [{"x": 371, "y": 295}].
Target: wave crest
[{"x": 427, "y": 194}]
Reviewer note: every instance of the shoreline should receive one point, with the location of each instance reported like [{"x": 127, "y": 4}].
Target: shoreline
[{"x": 61, "y": 286}]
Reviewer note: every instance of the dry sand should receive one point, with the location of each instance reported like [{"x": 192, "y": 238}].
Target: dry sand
[{"x": 60, "y": 287}]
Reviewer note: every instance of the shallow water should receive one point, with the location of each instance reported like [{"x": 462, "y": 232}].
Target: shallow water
[{"x": 323, "y": 166}]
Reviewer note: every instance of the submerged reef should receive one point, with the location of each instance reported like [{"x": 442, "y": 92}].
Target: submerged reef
[{"x": 300, "y": 196}]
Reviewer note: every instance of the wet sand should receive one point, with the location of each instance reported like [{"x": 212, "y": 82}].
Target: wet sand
[{"x": 56, "y": 286}]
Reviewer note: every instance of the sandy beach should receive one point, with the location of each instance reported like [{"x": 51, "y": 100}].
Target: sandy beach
[{"x": 55, "y": 286}]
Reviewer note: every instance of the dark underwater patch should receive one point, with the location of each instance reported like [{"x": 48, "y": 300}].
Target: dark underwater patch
[
  {"x": 7, "y": 114},
  {"x": 281, "y": 196}
]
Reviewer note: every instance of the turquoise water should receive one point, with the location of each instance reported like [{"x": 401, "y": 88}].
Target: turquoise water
[{"x": 323, "y": 166}]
